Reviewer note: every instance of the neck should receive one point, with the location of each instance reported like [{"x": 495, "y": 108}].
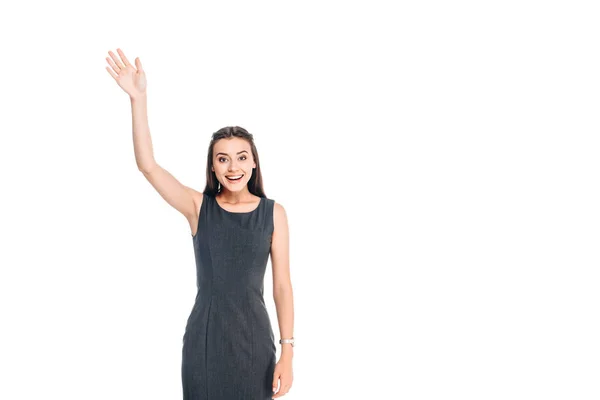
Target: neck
[{"x": 235, "y": 197}]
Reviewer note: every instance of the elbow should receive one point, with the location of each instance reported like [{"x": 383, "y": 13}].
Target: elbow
[
  {"x": 146, "y": 168},
  {"x": 281, "y": 291}
]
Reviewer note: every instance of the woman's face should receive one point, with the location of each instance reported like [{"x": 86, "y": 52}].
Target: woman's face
[{"x": 231, "y": 158}]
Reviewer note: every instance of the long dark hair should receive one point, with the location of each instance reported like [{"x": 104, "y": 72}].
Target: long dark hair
[{"x": 255, "y": 184}]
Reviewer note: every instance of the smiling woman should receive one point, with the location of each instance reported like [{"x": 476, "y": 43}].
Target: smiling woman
[
  {"x": 229, "y": 329},
  {"x": 234, "y": 160},
  {"x": 228, "y": 347}
]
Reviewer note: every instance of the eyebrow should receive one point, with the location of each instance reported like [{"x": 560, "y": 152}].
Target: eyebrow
[{"x": 225, "y": 154}]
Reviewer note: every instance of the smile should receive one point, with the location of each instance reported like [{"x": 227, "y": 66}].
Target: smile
[{"x": 234, "y": 178}]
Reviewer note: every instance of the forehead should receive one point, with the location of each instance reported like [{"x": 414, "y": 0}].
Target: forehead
[{"x": 231, "y": 146}]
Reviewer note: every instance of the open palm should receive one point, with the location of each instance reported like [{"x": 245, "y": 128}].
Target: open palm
[{"x": 131, "y": 79}]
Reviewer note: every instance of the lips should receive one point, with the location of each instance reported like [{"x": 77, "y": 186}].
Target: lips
[{"x": 238, "y": 178}]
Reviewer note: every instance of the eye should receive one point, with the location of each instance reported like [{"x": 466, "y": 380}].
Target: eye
[
  {"x": 221, "y": 158},
  {"x": 244, "y": 157}
]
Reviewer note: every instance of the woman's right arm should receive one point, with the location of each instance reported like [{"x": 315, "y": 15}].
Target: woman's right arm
[
  {"x": 179, "y": 196},
  {"x": 133, "y": 81}
]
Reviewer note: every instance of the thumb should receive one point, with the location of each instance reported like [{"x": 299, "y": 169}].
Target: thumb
[
  {"x": 275, "y": 379},
  {"x": 138, "y": 64}
]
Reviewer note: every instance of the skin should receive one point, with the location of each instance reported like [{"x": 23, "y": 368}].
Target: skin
[
  {"x": 236, "y": 158},
  {"x": 233, "y": 156}
]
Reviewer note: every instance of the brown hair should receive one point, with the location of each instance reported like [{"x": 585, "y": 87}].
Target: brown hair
[{"x": 255, "y": 184}]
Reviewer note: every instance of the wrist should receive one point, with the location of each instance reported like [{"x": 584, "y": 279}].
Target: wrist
[
  {"x": 138, "y": 97},
  {"x": 287, "y": 352}
]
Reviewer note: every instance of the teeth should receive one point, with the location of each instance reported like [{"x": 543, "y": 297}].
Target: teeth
[{"x": 234, "y": 177}]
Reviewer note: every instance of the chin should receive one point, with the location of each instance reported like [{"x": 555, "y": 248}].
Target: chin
[{"x": 236, "y": 188}]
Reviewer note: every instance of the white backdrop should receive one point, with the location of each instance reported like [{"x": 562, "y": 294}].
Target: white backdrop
[{"x": 438, "y": 162}]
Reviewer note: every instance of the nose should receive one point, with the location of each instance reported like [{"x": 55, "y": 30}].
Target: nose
[{"x": 232, "y": 166}]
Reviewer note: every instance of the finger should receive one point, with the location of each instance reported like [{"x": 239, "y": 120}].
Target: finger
[
  {"x": 275, "y": 385},
  {"x": 285, "y": 380},
  {"x": 113, "y": 65},
  {"x": 285, "y": 387},
  {"x": 125, "y": 60},
  {"x": 282, "y": 390},
  {"x": 138, "y": 64},
  {"x": 117, "y": 61},
  {"x": 115, "y": 76}
]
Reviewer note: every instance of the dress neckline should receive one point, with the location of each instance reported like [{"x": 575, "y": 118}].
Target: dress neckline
[{"x": 235, "y": 212}]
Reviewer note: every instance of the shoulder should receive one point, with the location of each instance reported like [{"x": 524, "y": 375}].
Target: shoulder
[
  {"x": 277, "y": 207},
  {"x": 279, "y": 213}
]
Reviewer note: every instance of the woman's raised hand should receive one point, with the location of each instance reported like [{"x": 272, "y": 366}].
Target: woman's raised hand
[{"x": 130, "y": 79}]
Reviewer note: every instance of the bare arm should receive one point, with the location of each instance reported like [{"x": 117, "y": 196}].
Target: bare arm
[
  {"x": 176, "y": 194},
  {"x": 133, "y": 81},
  {"x": 282, "y": 285},
  {"x": 284, "y": 299}
]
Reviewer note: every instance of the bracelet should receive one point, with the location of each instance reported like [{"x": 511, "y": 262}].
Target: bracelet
[{"x": 290, "y": 341}]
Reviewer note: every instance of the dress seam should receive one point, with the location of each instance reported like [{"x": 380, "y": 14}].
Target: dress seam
[
  {"x": 252, "y": 336},
  {"x": 206, "y": 345}
]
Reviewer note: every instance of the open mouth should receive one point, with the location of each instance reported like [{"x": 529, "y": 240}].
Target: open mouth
[{"x": 234, "y": 178}]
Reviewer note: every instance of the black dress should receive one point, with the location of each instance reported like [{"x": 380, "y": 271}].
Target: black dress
[{"x": 228, "y": 346}]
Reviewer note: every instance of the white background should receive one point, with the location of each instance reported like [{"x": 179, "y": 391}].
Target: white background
[{"x": 438, "y": 162}]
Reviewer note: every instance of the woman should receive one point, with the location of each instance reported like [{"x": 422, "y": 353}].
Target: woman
[{"x": 228, "y": 347}]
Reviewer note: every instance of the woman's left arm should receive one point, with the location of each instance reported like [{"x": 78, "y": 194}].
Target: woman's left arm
[{"x": 284, "y": 299}]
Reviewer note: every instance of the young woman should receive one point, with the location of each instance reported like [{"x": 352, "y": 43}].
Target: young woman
[{"x": 228, "y": 347}]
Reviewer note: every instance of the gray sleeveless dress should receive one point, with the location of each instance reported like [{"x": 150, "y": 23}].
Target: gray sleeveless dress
[{"x": 228, "y": 347}]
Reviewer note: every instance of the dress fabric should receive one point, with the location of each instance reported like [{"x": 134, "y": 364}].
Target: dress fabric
[{"x": 228, "y": 350}]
